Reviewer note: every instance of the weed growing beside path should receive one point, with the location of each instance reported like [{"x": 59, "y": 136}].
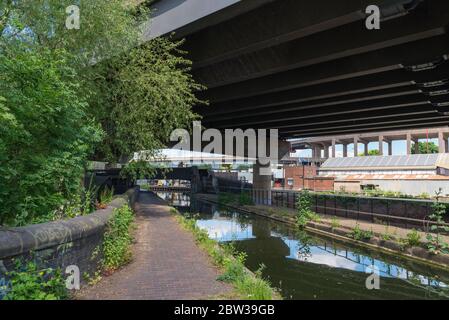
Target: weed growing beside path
[
  {"x": 117, "y": 239},
  {"x": 247, "y": 285}
]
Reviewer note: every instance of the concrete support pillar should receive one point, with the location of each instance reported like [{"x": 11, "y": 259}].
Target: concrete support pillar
[
  {"x": 356, "y": 146},
  {"x": 333, "y": 148},
  {"x": 262, "y": 184},
  {"x": 326, "y": 151},
  {"x": 345, "y": 150},
  {"x": 366, "y": 148},
  {"x": 409, "y": 143},
  {"x": 381, "y": 145},
  {"x": 441, "y": 143},
  {"x": 316, "y": 152},
  {"x": 390, "y": 148}
]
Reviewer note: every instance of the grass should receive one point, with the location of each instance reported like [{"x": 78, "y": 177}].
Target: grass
[
  {"x": 247, "y": 285},
  {"x": 335, "y": 223},
  {"x": 359, "y": 234},
  {"x": 413, "y": 239},
  {"x": 117, "y": 239}
]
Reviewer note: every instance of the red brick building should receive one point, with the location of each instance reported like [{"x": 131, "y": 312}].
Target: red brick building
[{"x": 306, "y": 177}]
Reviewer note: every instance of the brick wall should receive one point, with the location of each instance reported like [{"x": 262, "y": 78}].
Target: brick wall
[
  {"x": 305, "y": 177},
  {"x": 58, "y": 244}
]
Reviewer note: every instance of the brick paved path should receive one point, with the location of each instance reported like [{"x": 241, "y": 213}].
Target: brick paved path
[{"x": 167, "y": 263}]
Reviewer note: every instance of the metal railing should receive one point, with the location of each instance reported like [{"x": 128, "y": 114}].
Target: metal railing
[{"x": 389, "y": 211}]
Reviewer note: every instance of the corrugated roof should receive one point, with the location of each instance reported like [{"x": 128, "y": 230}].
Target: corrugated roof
[{"x": 428, "y": 161}]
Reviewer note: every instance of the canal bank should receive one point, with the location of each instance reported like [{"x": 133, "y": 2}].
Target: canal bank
[{"x": 387, "y": 239}]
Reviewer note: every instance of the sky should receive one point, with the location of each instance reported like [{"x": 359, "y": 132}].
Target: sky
[{"x": 399, "y": 148}]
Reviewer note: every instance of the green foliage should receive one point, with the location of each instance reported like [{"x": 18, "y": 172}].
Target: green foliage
[
  {"x": 386, "y": 236},
  {"x": 117, "y": 239},
  {"x": 244, "y": 167},
  {"x": 305, "y": 214},
  {"x": 359, "y": 234},
  {"x": 204, "y": 166},
  {"x": 413, "y": 238},
  {"x": 106, "y": 195},
  {"x": 227, "y": 198},
  {"x": 30, "y": 283},
  {"x": 45, "y": 135},
  {"x": 245, "y": 199},
  {"x": 435, "y": 242},
  {"x": 139, "y": 170},
  {"x": 373, "y": 152},
  {"x": 61, "y": 90},
  {"x": 232, "y": 262},
  {"x": 148, "y": 94},
  {"x": 335, "y": 223},
  {"x": 425, "y": 147}
]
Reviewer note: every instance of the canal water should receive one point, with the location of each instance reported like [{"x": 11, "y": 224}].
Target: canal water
[{"x": 303, "y": 265}]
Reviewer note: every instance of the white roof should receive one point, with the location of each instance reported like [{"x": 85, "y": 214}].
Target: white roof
[{"x": 418, "y": 161}]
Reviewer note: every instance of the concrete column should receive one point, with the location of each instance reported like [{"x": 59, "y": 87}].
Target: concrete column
[
  {"x": 409, "y": 143},
  {"x": 416, "y": 146},
  {"x": 326, "y": 151},
  {"x": 366, "y": 149},
  {"x": 390, "y": 148},
  {"x": 381, "y": 145},
  {"x": 356, "y": 147},
  {"x": 333, "y": 148},
  {"x": 262, "y": 184},
  {"x": 441, "y": 143},
  {"x": 345, "y": 150}
]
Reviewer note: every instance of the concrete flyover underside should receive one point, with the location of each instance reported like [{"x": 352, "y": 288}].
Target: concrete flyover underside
[{"x": 312, "y": 68}]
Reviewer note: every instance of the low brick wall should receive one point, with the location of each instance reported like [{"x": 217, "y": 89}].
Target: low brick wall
[{"x": 58, "y": 244}]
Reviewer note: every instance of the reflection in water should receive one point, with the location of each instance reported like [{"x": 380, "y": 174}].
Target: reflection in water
[
  {"x": 305, "y": 266},
  {"x": 176, "y": 199}
]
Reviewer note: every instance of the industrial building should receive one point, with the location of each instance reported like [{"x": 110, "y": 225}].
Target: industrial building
[{"x": 410, "y": 174}]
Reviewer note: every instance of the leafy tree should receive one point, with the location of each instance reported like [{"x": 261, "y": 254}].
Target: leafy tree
[
  {"x": 45, "y": 135},
  {"x": 425, "y": 147},
  {"x": 61, "y": 90},
  {"x": 149, "y": 94},
  {"x": 373, "y": 152}
]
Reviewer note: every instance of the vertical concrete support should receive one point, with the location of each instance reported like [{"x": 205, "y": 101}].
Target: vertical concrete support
[
  {"x": 366, "y": 148},
  {"x": 345, "y": 150},
  {"x": 326, "y": 151},
  {"x": 441, "y": 143},
  {"x": 316, "y": 152},
  {"x": 409, "y": 143},
  {"x": 261, "y": 184},
  {"x": 356, "y": 146},
  {"x": 333, "y": 148},
  {"x": 390, "y": 148},
  {"x": 381, "y": 145}
]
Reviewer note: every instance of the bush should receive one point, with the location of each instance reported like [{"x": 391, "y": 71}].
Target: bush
[
  {"x": 305, "y": 214},
  {"x": 30, "y": 283},
  {"x": 359, "y": 234},
  {"x": 413, "y": 238},
  {"x": 45, "y": 134},
  {"x": 117, "y": 239}
]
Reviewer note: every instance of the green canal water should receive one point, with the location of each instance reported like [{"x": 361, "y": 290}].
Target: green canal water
[{"x": 303, "y": 265}]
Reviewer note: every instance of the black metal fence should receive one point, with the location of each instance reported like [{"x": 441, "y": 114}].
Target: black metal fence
[{"x": 402, "y": 212}]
